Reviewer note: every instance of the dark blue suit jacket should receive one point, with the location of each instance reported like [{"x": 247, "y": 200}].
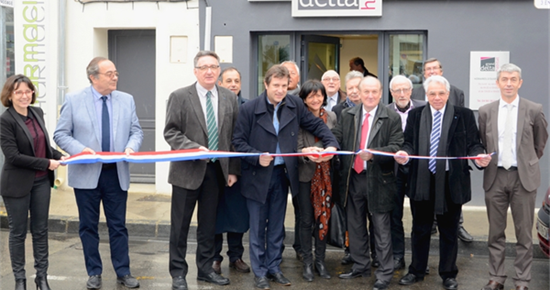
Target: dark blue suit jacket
[{"x": 254, "y": 132}]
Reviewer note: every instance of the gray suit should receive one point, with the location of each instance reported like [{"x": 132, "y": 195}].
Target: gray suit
[
  {"x": 531, "y": 137},
  {"x": 197, "y": 181},
  {"x": 456, "y": 95}
]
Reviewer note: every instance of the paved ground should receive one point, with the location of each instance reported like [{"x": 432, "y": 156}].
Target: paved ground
[{"x": 149, "y": 263}]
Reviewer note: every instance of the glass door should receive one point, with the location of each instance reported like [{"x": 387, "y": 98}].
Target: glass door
[{"x": 319, "y": 54}]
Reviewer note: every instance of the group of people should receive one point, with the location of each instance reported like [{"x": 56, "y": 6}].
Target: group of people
[{"x": 236, "y": 195}]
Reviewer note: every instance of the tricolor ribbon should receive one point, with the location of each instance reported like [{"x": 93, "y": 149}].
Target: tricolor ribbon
[{"x": 197, "y": 154}]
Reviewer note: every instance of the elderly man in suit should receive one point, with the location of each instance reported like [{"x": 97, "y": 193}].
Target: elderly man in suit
[
  {"x": 370, "y": 185},
  {"x": 199, "y": 116},
  {"x": 438, "y": 186},
  {"x": 400, "y": 88},
  {"x": 353, "y": 78},
  {"x": 516, "y": 129},
  {"x": 270, "y": 124},
  {"x": 100, "y": 118},
  {"x": 331, "y": 81}
]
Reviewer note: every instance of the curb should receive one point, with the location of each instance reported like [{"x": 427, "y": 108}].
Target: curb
[{"x": 161, "y": 229}]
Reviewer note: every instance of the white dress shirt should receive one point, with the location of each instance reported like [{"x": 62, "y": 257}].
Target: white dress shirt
[
  {"x": 502, "y": 112},
  {"x": 202, "y": 97},
  {"x": 371, "y": 120},
  {"x": 332, "y": 101}
]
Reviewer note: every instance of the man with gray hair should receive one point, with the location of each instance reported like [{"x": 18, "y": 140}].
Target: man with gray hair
[
  {"x": 438, "y": 186},
  {"x": 294, "y": 81},
  {"x": 512, "y": 177},
  {"x": 331, "y": 81},
  {"x": 400, "y": 88},
  {"x": 432, "y": 67},
  {"x": 353, "y": 78}
]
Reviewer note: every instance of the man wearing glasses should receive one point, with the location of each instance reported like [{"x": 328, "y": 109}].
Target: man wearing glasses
[
  {"x": 199, "y": 116},
  {"x": 331, "y": 81},
  {"x": 101, "y": 119}
]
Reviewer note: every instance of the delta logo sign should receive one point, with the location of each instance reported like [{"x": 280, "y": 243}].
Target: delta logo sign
[
  {"x": 487, "y": 64},
  {"x": 332, "y": 8}
]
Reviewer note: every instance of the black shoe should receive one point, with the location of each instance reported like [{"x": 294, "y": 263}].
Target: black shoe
[
  {"x": 380, "y": 285},
  {"x": 21, "y": 284},
  {"x": 354, "y": 274},
  {"x": 279, "y": 278},
  {"x": 179, "y": 283},
  {"x": 41, "y": 283},
  {"x": 346, "y": 260},
  {"x": 375, "y": 263},
  {"x": 434, "y": 228},
  {"x": 464, "y": 236},
  {"x": 321, "y": 269},
  {"x": 128, "y": 280},
  {"x": 261, "y": 283},
  {"x": 308, "y": 272},
  {"x": 213, "y": 278},
  {"x": 450, "y": 284},
  {"x": 398, "y": 263},
  {"x": 94, "y": 282},
  {"x": 410, "y": 279}
]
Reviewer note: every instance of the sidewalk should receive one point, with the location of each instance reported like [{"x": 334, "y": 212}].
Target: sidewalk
[{"x": 148, "y": 215}]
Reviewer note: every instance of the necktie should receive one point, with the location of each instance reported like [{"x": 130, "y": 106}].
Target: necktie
[
  {"x": 434, "y": 140},
  {"x": 105, "y": 127},
  {"x": 211, "y": 123},
  {"x": 507, "y": 142},
  {"x": 359, "y": 163}
]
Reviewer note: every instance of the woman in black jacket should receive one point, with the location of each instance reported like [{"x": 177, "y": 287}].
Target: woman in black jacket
[{"x": 27, "y": 177}]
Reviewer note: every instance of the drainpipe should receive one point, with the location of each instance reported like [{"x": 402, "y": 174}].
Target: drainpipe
[{"x": 207, "y": 27}]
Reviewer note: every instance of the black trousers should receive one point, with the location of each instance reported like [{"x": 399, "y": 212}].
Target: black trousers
[
  {"x": 309, "y": 225},
  {"x": 37, "y": 202},
  {"x": 183, "y": 205},
  {"x": 235, "y": 246},
  {"x": 423, "y": 213}
]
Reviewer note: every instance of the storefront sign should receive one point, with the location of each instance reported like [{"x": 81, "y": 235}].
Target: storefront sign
[
  {"x": 32, "y": 53},
  {"x": 331, "y": 8},
  {"x": 542, "y": 4},
  {"x": 483, "y": 75}
]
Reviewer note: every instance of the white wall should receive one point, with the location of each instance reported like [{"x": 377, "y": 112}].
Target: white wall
[{"x": 87, "y": 27}]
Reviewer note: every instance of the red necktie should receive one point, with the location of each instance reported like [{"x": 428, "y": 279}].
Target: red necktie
[{"x": 359, "y": 164}]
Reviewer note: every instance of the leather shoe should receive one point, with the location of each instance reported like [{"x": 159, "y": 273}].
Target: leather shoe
[
  {"x": 375, "y": 263},
  {"x": 410, "y": 279},
  {"x": 21, "y": 284},
  {"x": 398, "y": 263},
  {"x": 354, "y": 274},
  {"x": 217, "y": 267},
  {"x": 346, "y": 260},
  {"x": 308, "y": 272},
  {"x": 380, "y": 285},
  {"x": 493, "y": 285},
  {"x": 321, "y": 269},
  {"x": 213, "y": 278},
  {"x": 128, "y": 280},
  {"x": 261, "y": 283},
  {"x": 239, "y": 266},
  {"x": 522, "y": 288},
  {"x": 279, "y": 278},
  {"x": 450, "y": 284},
  {"x": 179, "y": 283},
  {"x": 41, "y": 283},
  {"x": 94, "y": 282},
  {"x": 464, "y": 236}
]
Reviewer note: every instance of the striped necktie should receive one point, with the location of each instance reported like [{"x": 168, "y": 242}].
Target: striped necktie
[
  {"x": 434, "y": 140},
  {"x": 211, "y": 123}
]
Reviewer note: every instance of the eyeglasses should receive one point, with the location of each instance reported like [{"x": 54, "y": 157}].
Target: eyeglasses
[
  {"x": 335, "y": 79},
  {"x": 21, "y": 93},
  {"x": 401, "y": 91},
  {"x": 110, "y": 74},
  {"x": 206, "y": 67}
]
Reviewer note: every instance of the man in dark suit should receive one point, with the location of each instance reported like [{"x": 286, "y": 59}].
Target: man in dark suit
[
  {"x": 514, "y": 128},
  {"x": 232, "y": 214},
  {"x": 100, "y": 118},
  {"x": 370, "y": 185},
  {"x": 331, "y": 82},
  {"x": 438, "y": 186},
  {"x": 400, "y": 88},
  {"x": 199, "y": 116},
  {"x": 270, "y": 124},
  {"x": 432, "y": 67}
]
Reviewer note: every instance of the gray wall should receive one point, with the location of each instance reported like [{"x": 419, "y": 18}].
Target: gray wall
[{"x": 454, "y": 28}]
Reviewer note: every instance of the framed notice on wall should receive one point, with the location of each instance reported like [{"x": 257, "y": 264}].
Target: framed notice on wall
[{"x": 483, "y": 75}]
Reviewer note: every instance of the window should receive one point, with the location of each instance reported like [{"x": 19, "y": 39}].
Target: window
[{"x": 272, "y": 49}]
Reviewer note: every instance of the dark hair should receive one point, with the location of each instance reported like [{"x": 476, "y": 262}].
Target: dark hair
[
  {"x": 13, "y": 83},
  {"x": 220, "y": 78},
  {"x": 358, "y": 61},
  {"x": 276, "y": 71},
  {"x": 313, "y": 86},
  {"x": 93, "y": 67}
]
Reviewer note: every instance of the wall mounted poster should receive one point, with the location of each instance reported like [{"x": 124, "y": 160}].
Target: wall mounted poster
[{"x": 483, "y": 75}]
